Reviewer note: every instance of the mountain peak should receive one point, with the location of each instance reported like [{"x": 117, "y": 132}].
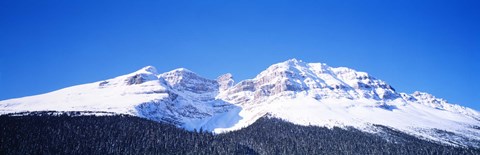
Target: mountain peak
[
  {"x": 225, "y": 81},
  {"x": 147, "y": 73},
  {"x": 179, "y": 73},
  {"x": 186, "y": 80},
  {"x": 293, "y": 60},
  {"x": 147, "y": 69},
  {"x": 291, "y": 66},
  {"x": 318, "y": 78},
  {"x": 182, "y": 70}
]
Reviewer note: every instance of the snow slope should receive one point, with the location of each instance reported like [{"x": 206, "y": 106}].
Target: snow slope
[{"x": 299, "y": 92}]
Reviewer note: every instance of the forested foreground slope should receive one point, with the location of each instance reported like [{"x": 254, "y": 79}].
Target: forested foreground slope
[{"x": 38, "y": 133}]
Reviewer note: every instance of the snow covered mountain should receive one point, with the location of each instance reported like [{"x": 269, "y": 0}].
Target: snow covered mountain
[{"x": 296, "y": 91}]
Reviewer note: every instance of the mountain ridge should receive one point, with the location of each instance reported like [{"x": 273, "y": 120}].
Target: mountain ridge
[{"x": 302, "y": 93}]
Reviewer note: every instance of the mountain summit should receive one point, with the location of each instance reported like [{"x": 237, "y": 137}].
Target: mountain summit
[{"x": 296, "y": 91}]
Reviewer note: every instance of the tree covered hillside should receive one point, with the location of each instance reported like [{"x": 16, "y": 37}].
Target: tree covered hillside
[{"x": 38, "y": 133}]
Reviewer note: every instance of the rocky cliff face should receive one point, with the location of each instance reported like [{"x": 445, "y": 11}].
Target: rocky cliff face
[
  {"x": 185, "y": 80},
  {"x": 225, "y": 81},
  {"x": 319, "y": 80}
]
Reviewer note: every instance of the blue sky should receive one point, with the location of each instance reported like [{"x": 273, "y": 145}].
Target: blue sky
[{"x": 430, "y": 46}]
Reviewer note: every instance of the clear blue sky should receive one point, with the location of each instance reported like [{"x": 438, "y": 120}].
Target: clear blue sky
[{"x": 430, "y": 46}]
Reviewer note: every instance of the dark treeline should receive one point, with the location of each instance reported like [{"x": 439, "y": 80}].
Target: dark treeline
[
  {"x": 275, "y": 136},
  {"x": 64, "y": 134}
]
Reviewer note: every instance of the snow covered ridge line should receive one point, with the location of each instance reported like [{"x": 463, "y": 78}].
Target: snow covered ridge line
[{"x": 293, "y": 90}]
